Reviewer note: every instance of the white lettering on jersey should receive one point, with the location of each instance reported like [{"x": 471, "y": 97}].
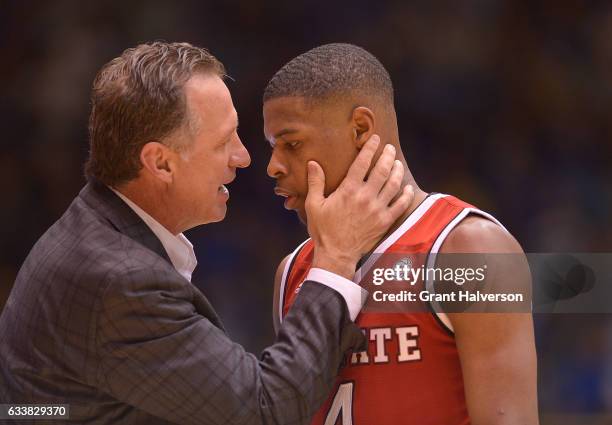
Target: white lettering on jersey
[
  {"x": 380, "y": 335},
  {"x": 408, "y": 342}
]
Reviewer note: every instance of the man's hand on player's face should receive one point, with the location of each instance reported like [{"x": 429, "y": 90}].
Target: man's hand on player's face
[{"x": 350, "y": 221}]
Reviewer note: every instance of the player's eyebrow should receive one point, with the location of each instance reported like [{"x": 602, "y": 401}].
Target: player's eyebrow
[{"x": 285, "y": 131}]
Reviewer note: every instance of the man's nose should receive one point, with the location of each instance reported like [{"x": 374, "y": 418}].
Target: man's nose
[
  {"x": 240, "y": 158},
  {"x": 276, "y": 167}
]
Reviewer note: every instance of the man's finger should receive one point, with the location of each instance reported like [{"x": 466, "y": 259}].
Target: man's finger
[
  {"x": 380, "y": 173},
  {"x": 316, "y": 182},
  {"x": 391, "y": 189},
  {"x": 361, "y": 165},
  {"x": 401, "y": 204}
]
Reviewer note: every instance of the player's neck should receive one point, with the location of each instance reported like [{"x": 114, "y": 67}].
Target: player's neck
[{"x": 419, "y": 197}]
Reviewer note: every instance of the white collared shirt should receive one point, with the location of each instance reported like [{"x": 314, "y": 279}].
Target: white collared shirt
[{"x": 178, "y": 247}]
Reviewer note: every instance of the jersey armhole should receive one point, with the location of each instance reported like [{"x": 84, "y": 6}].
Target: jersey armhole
[{"x": 440, "y": 316}]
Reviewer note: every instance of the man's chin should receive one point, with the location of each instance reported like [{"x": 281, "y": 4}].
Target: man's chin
[{"x": 219, "y": 214}]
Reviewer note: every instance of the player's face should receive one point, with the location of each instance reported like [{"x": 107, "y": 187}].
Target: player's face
[
  {"x": 215, "y": 152},
  {"x": 299, "y": 132}
]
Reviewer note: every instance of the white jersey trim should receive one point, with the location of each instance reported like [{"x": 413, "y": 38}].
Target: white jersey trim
[
  {"x": 431, "y": 259},
  {"x": 398, "y": 233},
  {"x": 288, "y": 263},
  {"x": 412, "y": 219},
  {"x": 380, "y": 249}
]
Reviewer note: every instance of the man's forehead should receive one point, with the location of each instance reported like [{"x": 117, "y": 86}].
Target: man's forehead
[
  {"x": 206, "y": 85},
  {"x": 209, "y": 100}
]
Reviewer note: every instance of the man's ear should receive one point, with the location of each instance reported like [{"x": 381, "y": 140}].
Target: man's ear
[
  {"x": 363, "y": 125},
  {"x": 157, "y": 159}
]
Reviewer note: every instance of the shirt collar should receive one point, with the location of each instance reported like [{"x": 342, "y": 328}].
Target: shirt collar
[{"x": 178, "y": 247}]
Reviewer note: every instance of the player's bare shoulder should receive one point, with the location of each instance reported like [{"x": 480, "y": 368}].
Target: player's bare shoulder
[
  {"x": 477, "y": 234},
  {"x": 481, "y": 242}
]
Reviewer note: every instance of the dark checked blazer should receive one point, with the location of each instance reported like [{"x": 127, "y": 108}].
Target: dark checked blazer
[{"x": 99, "y": 319}]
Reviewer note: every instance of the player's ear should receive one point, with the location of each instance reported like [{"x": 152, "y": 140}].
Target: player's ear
[
  {"x": 157, "y": 159},
  {"x": 363, "y": 125}
]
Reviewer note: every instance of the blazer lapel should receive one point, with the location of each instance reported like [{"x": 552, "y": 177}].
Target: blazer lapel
[
  {"x": 121, "y": 216},
  {"x": 126, "y": 221}
]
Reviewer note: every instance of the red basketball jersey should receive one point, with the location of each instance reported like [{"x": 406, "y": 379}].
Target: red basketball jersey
[{"x": 410, "y": 373}]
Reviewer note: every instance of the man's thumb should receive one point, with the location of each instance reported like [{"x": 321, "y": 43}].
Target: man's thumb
[{"x": 316, "y": 180}]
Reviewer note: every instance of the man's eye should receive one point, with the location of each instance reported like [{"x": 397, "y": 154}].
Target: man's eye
[{"x": 293, "y": 145}]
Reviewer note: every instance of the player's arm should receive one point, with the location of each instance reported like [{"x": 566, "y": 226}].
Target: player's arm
[
  {"x": 497, "y": 350},
  {"x": 278, "y": 277}
]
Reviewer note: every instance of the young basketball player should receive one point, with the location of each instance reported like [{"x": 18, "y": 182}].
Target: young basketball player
[{"x": 420, "y": 368}]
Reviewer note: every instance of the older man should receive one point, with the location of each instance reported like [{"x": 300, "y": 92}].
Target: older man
[{"x": 103, "y": 316}]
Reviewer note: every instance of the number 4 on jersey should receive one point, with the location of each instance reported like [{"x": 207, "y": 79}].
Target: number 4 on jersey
[{"x": 342, "y": 405}]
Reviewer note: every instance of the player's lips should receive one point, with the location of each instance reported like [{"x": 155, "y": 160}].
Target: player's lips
[{"x": 291, "y": 197}]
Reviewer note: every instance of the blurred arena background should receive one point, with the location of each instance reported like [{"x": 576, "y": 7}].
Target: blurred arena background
[{"x": 506, "y": 104}]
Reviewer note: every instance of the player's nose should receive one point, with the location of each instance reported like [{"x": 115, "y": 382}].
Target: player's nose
[{"x": 276, "y": 167}]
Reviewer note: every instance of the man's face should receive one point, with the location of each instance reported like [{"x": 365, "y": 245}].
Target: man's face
[
  {"x": 213, "y": 152},
  {"x": 299, "y": 132}
]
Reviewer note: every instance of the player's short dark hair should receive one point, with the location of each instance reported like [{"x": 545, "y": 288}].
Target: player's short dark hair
[
  {"x": 331, "y": 70},
  {"x": 136, "y": 98}
]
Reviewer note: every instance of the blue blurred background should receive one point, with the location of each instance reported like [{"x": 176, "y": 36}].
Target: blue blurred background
[{"x": 506, "y": 104}]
